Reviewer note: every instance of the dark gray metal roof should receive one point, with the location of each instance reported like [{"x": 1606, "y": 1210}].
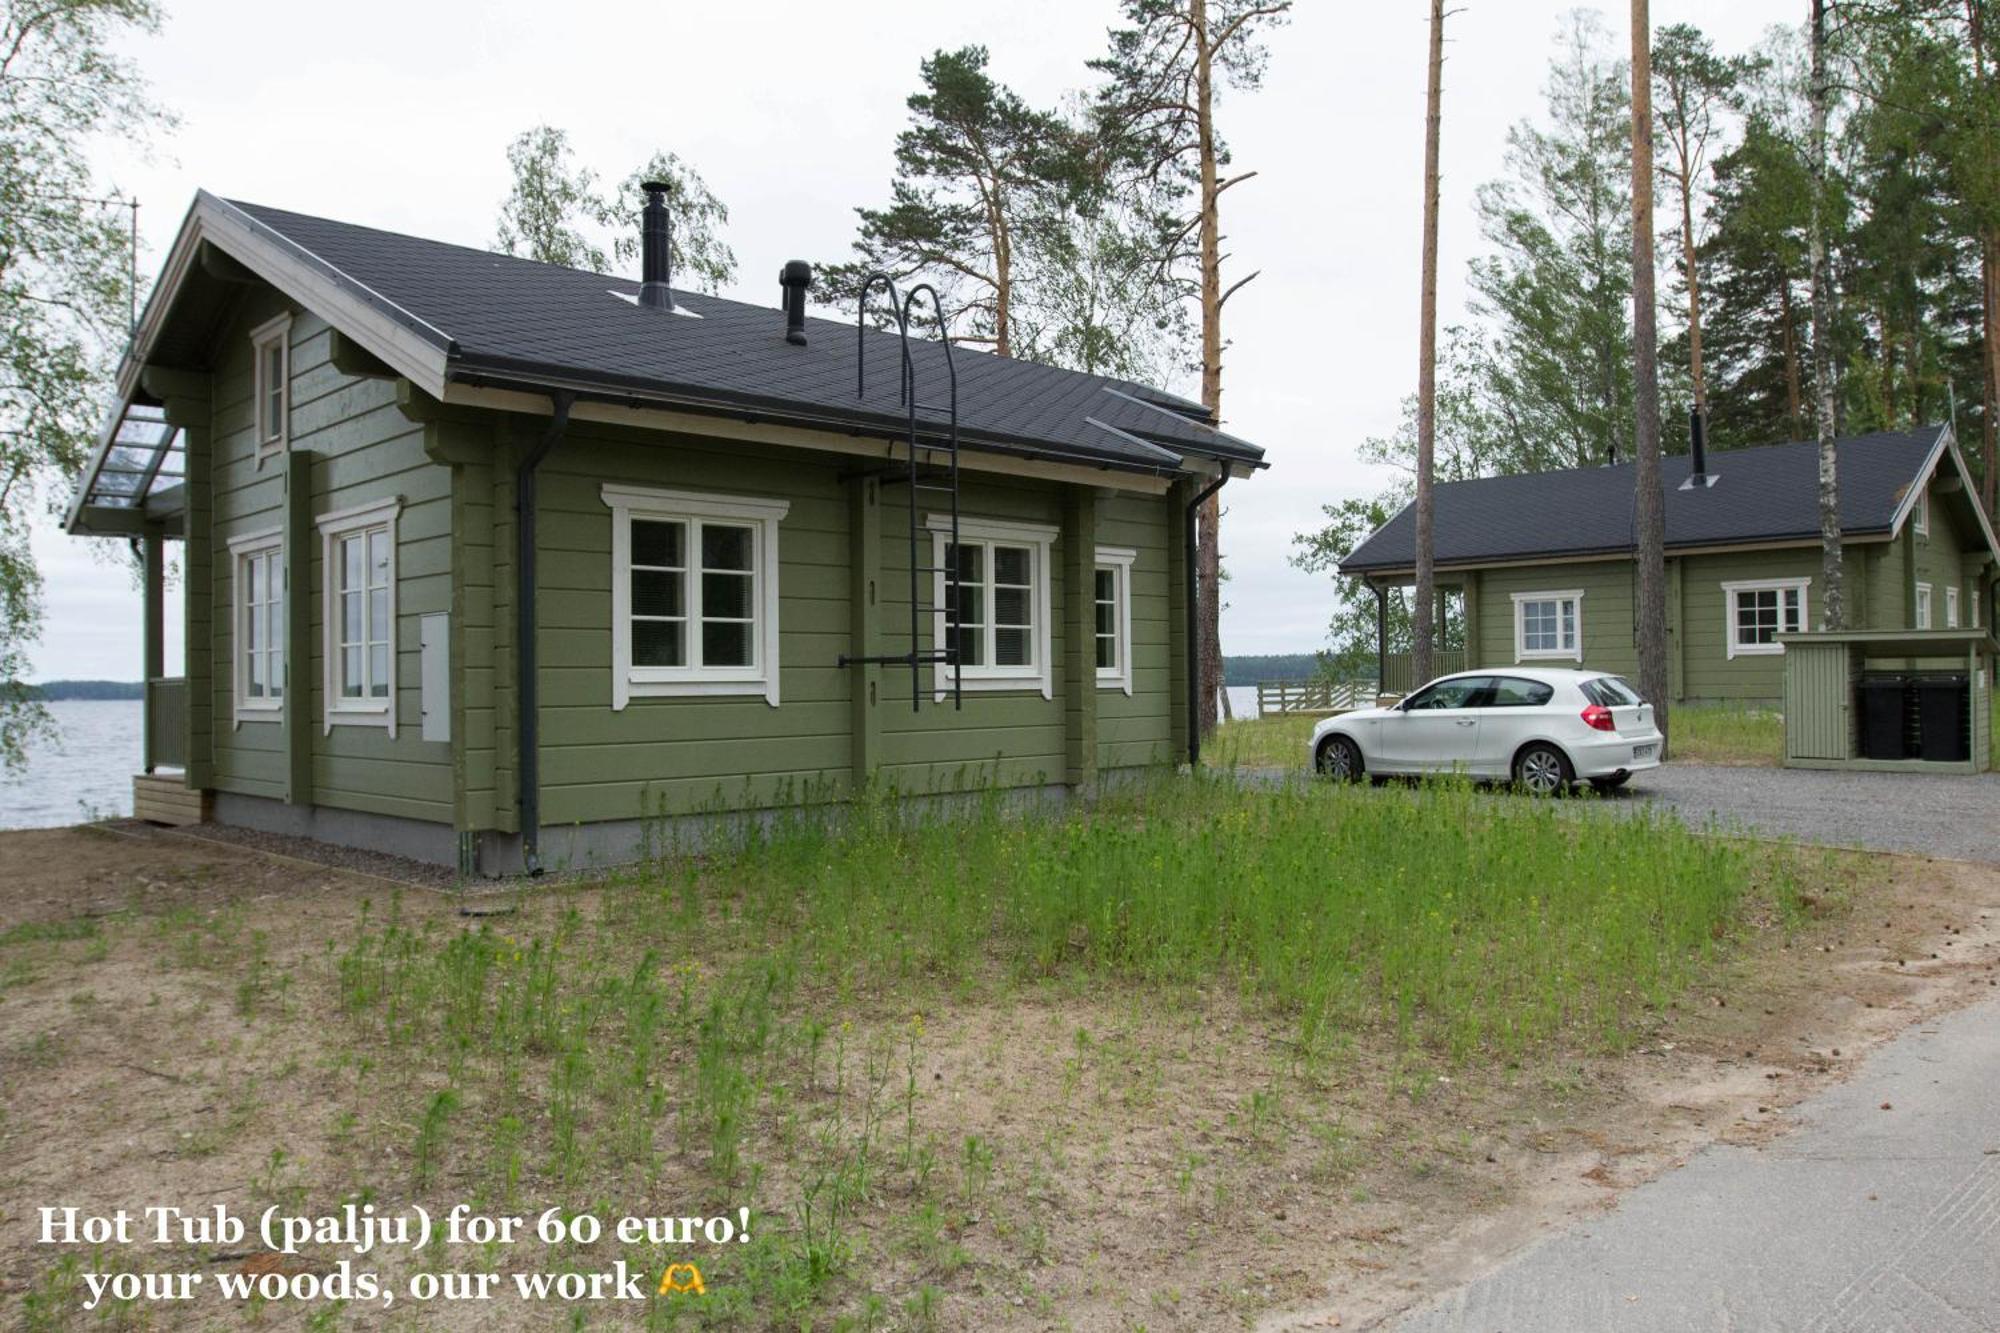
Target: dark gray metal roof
[
  {"x": 1765, "y": 494},
  {"x": 514, "y": 322}
]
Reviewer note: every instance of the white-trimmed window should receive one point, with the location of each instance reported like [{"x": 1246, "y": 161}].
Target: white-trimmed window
[
  {"x": 1921, "y": 515},
  {"x": 258, "y": 616},
  {"x": 359, "y": 558},
  {"x": 1002, "y": 621},
  {"x": 694, "y": 593},
  {"x": 1548, "y": 624},
  {"x": 1923, "y": 606},
  {"x": 271, "y": 377},
  {"x": 1951, "y": 608},
  {"x": 1111, "y": 591},
  {"x": 1759, "y": 610}
]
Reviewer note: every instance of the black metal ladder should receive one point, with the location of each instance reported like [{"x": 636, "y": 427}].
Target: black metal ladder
[{"x": 920, "y": 480}]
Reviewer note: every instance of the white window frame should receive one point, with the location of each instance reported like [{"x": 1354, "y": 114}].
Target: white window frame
[
  {"x": 1730, "y": 592},
  {"x": 1951, "y": 606},
  {"x": 1522, "y": 653},
  {"x": 1038, "y": 539},
  {"x": 334, "y": 527},
  {"x": 1923, "y": 606},
  {"x": 629, "y": 682},
  {"x": 1921, "y": 516},
  {"x": 1119, "y": 560},
  {"x": 276, "y": 332},
  {"x": 265, "y": 545}
]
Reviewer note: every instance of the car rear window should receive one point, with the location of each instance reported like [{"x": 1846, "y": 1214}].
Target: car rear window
[
  {"x": 1610, "y": 692},
  {"x": 1513, "y": 692}
]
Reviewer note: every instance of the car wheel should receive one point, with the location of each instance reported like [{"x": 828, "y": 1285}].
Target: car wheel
[
  {"x": 1608, "y": 785},
  {"x": 1340, "y": 759},
  {"x": 1542, "y": 770}
]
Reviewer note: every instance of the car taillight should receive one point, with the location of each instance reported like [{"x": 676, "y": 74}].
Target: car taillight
[{"x": 1598, "y": 717}]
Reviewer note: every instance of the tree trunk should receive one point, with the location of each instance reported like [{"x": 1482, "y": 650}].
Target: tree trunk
[
  {"x": 1208, "y": 553},
  {"x": 1832, "y": 609},
  {"x": 1795, "y": 408},
  {"x": 1989, "y": 428},
  {"x": 1650, "y": 502},
  {"x": 1423, "y": 630}
]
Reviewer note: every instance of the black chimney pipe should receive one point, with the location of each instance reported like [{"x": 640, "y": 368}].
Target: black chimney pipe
[
  {"x": 1698, "y": 443},
  {"x": 795, "y": 278},
  {"x": 655, "y": 248}
]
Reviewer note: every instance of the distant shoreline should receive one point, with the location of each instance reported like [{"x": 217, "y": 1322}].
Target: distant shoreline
[{"x": 59, "y": 691}]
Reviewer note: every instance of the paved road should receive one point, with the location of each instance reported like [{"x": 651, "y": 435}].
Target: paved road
[
  {"x": 1864, "y": 1219},
  {"x": 1957, "y": 817}
]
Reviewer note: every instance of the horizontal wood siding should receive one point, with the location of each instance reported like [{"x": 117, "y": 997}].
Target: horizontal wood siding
[
  {"x": 1711, "y": 674},
  {"x": 663, "y": 756},
  {"x": 1135, "y": 732},
  {"x": 363, "y": 450},
  {"x": 1606, "y": 610}
]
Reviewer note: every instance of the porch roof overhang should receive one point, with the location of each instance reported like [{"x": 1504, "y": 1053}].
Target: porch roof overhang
[{"x": 136, "y": 478}]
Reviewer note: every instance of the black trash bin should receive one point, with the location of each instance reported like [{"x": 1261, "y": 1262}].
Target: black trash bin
[
  {"x": 1942, "y": 713},
  {"x": 1883, "y": 734}
]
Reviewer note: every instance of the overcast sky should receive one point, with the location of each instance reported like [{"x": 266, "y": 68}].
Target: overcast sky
[{"x": 398, "y": 116}]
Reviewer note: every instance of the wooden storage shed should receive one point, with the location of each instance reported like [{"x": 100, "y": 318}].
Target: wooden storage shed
[{"x": 1839, "y": 683}]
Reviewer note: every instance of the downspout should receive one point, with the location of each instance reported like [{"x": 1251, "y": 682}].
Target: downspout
[
  {"x": 1194, "y": 621},
  {"x": 527, "y": 683}
]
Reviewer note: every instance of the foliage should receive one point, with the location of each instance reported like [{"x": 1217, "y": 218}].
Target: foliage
[
  {"x": 65, "y": 281},
  {"x": 556, "y": 212},
  {"x": 1728, "y": 734}
]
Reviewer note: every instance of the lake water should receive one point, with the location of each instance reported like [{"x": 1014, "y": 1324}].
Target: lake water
[{"x": 85, "y": 774}]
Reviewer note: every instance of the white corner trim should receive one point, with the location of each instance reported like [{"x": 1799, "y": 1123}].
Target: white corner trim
[
  {"x": 1039, "y": 675},
  {"x": 629, "y": 682},
  {"x": 1733, "y": 649},
  {"x": 332, "y": 526},
  {"x": 1121, "y": 559},
  {"x": 1574, "y": 652}
]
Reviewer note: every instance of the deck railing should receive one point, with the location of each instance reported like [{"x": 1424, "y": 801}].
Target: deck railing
[
  {"x": 1313, "y": 696},
  {"x": 165, "y": 742},
  {"x": 1397, "y": 669}
]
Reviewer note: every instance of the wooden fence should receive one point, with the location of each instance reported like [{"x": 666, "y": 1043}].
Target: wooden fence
[
  {"x": 1313, "y": 696},
  {"x": 1397, "y": 669}
]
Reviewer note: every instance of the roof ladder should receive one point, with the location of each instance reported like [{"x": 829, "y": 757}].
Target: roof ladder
[{"x": 920, "y": 479}]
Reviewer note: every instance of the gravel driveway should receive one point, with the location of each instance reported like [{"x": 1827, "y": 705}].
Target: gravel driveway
[{"x": 1949, "y": 816}]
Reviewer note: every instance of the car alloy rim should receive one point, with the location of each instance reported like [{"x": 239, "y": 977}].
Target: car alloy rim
[
  {"x": 1337, "y": 762},
  {"x": 1540, "y": 771}
]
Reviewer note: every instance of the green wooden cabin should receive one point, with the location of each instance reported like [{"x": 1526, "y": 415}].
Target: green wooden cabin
[
  {"x": 497, "y": 563},
  {"x": 1540, "y": 566}
]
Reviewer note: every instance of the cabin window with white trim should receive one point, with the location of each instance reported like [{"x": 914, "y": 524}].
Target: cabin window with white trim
[
  {"x": 1923, "y": 606},
  {"x": 1759, "y": 611},
  {"x": 360, "y": 565},
  {"x": 1951, "y": 608},
  {"x": 1922, "y": 517},
  {"x": 1112, "y": 617},
  {"x": 259, "y": 619},
  {"x": 1548, "y": 624},
  {"x": 694, "y": 594},
  {"x": 271, "y": 376},
  {"x": 1000, "y": 624}
]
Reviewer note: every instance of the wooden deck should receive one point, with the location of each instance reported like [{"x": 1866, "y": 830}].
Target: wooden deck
[
  {"x": 1313, "y": 697},
  {"x": 165, "y": 798}
]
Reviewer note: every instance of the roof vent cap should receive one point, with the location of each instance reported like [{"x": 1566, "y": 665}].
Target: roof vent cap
[
  {"x": 795, "y": 279},
  {"x": 655, "y": 248}
]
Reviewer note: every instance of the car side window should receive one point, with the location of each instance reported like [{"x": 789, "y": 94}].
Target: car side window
[
  {"x": 1514, "y": 692},
  {"x": 1461, "y": 692}
]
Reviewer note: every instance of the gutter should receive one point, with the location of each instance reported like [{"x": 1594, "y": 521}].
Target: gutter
[
  {"x": 1194, "y": 620},
  {"x": 527, "y": 684}
]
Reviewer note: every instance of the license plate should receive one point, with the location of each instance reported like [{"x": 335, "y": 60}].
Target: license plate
[{"x": 1643, "y": 751}]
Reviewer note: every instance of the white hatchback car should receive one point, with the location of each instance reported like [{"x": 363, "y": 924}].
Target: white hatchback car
[{"x": 1541, "y": 729}]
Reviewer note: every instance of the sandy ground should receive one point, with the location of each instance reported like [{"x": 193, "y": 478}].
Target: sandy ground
[{"x": 165, "y": 1034}]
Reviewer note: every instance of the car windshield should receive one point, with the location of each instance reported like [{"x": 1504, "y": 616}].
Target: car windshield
[{"x": 1610, "y": 692}]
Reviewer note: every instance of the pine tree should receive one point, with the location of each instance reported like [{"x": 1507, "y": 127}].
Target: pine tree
[
  {"x": 1649, "y": 508},
  {"x": 1423, "y": 631}
]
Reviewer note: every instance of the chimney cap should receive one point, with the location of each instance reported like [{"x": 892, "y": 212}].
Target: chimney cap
[
  {"x": 795, "y": 273},
  {"x": 655, "y": 187}
]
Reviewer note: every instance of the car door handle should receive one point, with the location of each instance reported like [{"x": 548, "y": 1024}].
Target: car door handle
[{"x": 1467, "y": 721}]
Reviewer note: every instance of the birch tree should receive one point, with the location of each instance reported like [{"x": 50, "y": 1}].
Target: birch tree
[
  {"x": 1649, "y": 509},
  {"x": 1423, "y": 633},
  {"x": 1832, "y": 608},
  {"x": 1165, "y": 71},
  {"x": 66, "y": 284}
]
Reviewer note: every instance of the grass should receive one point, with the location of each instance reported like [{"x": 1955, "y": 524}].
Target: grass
[
  {"x": 1276, "y": 741},
  {"x": 705, "y": 1013},
  {"x": 1727, "y": 734}
]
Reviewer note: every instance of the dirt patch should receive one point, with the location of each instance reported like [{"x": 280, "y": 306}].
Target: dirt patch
[{"x": 1048, "y": 1154}]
